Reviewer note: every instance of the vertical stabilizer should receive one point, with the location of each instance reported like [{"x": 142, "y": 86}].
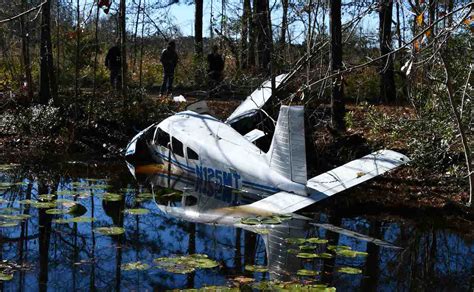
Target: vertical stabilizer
[{"x": 287, "y": 154}]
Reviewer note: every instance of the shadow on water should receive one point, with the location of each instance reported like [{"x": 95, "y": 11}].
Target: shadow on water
[{"x": 75, "y": 226}]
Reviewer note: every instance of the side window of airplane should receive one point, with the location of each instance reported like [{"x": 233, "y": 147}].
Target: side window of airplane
[
  {"x": 192, "y": 154},
  {"x": 177, "y": 147},
  {"x": 162, "y": 138}
]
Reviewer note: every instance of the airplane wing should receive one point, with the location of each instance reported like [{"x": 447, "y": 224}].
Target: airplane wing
[{"x": 256, "y": 100}]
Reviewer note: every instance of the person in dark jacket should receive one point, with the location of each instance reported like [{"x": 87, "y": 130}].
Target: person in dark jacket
[
  {"x": 215, "y": 66},
  {"x": 169, "y": 60},
  {"x": 113, "y": 62}
]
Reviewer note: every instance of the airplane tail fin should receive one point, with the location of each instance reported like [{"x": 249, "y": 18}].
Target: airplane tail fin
[{"x": 287, "y": 154}]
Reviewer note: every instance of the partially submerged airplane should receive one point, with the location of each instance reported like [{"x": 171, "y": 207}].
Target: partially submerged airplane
[{"x": 197, "y": 144}]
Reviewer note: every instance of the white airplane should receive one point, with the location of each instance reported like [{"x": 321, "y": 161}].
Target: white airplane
[{"x": 195, "y": 143}]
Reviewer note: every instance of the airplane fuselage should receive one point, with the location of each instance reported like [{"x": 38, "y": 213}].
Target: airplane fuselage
[{"x": 211, "y": 150}]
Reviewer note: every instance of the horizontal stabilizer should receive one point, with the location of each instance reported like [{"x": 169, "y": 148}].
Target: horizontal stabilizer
[
  {"x": 284, "y": 202},
  {"x": 356, "y": 172}
]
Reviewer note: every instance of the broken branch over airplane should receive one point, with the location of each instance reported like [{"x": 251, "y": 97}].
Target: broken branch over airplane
[{"x": 200, "y": 145}]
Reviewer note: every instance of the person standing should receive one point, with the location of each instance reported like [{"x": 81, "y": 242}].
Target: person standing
[
  {"x": 113, "y": 62},
  {"x": 169, "y": 60},
  {"x": 215, "y": 67}
]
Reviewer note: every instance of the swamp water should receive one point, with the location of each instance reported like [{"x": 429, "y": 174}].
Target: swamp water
[{"x": 77, "y": 226}]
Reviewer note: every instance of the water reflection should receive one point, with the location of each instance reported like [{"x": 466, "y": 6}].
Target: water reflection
[{"x": 189, "y": 217}]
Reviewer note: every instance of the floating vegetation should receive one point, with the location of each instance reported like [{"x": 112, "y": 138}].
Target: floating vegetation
[
  {"x": 256, "y": 268},
  {"x": 74, "y": 220},
  {"x": 304, "y": 255},
  {"x": 21, "y": 183},
  {"x": 185, "y": 264},
  {"x": 307, "y": 247},
  {"x": 338, "y": 247},
  {"x": 6, "y": 185},
  {"x": 270, "y": 220},
  {"x": 43, "y": 205},
  {"x": 305, "y": 272},
  {"x": 134, "y": 266},
  {"x": 46, "y": 197},
  {"x": 145, "y": 196},
  {"x": 138, "y": 211},
  {"x": 112, "y": 197},
  {"x": 346, "y": 251},
  {"x": 66, "y": 193},
  {"x": 297, "y": 287},
  {"x": 316, "y": 240},
  {"x": 15, "y": 217},
  {"x": 5, "y": 277},
  {"x": 113, "y": 230},
  {"x": 99, "y": 187},
  {"x": 9, "y": 210},
  {"x": 83, "y": 195},
  {"x": 295, "y": 240},
  {"x": 349, "y": 270},
  {"x": 9, "y": 224},
  {"x": 325, "y": 255},
  {"x": 57, "y": 211},
  {"x": 26, "y": 202}
]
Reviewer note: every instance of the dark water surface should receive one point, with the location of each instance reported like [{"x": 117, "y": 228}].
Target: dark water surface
[{"x": 47, "y": 252}]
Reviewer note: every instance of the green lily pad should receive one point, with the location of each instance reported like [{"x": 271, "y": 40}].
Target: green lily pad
[
  {"x": 256, "y": 268},
  {"x": 349, "y": 270},
  {"x": 15, "y": 216},
  {"x": 250, "y": 221},
  {"x": 138, "y": 211},
  {"x": 307, "y": 247},
  {"x": 145, "y": 196},
  {"x": 304, "y": 255},
  {"x": 185, "y": 264},
  {"x": 273, "y": 220},
  {"x": 46, "y": 197},
  {"x": 26, "y": 202},
  {"x": 66, "y": 193},
  {"x": 338, "y": 247},
  {"x": 113, "y": 230},
  {"x": 9, "y": 224},
  {"x": 9, "y": 210},
  {"x": 43, "y": 205},
  {"x": 305, "y": 272},
  {"x": 99, "y": 187},
  {"x": 5, "y": 277},
  {"x": 57, "y": 211},
  {"x": 82, "y": 219},
  {"x": 21, "y": 183},
  {"x": 295, "y": 240},
  {"x": 317, "y": 240},
  {"x": 134, "y": 266},
  {"x": 112, "y": 197},
  {"x": 325, "y": 255}
]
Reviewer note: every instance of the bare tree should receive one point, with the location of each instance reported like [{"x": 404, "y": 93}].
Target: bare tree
[
  {"x": 387, "y": 81},
  {"x": 48, "y": 87},
  {"x": 338, "y": 109}
]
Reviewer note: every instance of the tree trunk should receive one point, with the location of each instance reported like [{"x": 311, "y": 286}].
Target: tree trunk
[
  {"x": 252, "y": 35},
  {"x": 25, "y": 52},
  {"x": 198, "y": 48},
  {"x": 244, "y": 34},
  {"x": 123, "y": 46},
  {"x": 387, "y": 81},
  {"x": 284, "y": 23},
  {"x": 78, "y": 50},
  {"x": 263, "y": 34},
  {"x": 338, "y": 109},
  {"x": 48, "y": 87}
]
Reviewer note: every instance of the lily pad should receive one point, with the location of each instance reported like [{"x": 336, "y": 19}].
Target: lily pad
[
  {"x": 9, "y": 224},
  {"x": 134, "y": 266},
  {"x": 273, "y": 220},
  {"x": 15, "y": 216},
  {"x": 338, "y": 247},
  {"x": 304, "y": 255},
  {"x": 305, "y": 272},
  {"x": 349, "y": 270},
  {"x": 256, "y": 268},
  {"x": 46, "y": 197},
  {"x": 250, "y": 221},
  {"x": 43, "y": 205},
  {"x": 5, "y": 277},
  {"x": 66, "y": 193},
  {"x": 112, "y": 197},
  {"x": 82, "y": 219},
  {"x": 9, "y": 210},
  {"x": 113, "y": 230},
  {"x": 26, "y": 202},
  {"x": 138, "y": 211},
  {"x": 307, "y": 247},
  {"x": 295, "y": 240},
  {"x": 317, "y": 240},
  {"x": 185, "y": 264},
  {"x": 325, "y": 255},
  {"x": 57, "y": 211}
]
